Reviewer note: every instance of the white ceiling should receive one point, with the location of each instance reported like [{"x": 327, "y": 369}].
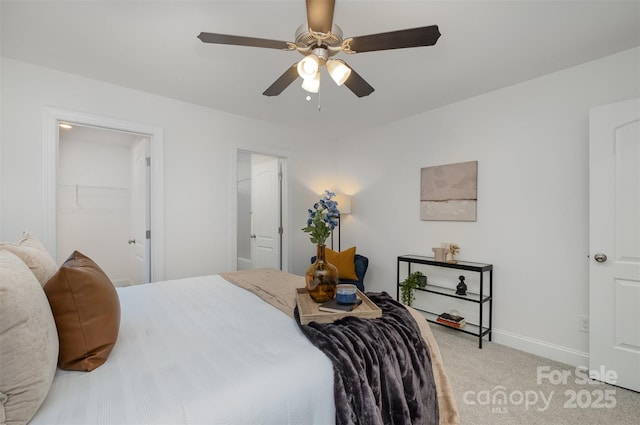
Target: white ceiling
[{"x": 152, "y": 46}]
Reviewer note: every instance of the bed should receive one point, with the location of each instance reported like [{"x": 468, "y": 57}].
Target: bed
[{"x": 219, "y": 349}]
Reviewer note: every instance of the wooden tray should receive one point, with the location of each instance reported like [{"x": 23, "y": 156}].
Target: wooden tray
[{"x": 309, "y": 312}]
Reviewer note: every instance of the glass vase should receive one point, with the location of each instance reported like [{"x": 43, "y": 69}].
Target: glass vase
[{"x": 321, "y": 278}]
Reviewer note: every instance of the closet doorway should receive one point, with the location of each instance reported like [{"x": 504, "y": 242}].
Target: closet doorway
[
  {"x": 103, "y": 200},
  {"x": 53, "y": 117},
  {"x": 260, "y": 211}
]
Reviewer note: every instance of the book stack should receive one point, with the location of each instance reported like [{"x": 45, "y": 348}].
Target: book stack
[
  {"x": 333, "y": 306},
  {"x": 451, "y": 320}
]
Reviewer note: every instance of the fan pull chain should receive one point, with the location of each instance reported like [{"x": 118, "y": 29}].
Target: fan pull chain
[{"x": 308, "y": 99}]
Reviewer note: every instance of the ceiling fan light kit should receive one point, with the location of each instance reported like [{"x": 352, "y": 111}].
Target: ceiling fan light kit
[{"x": 318, "y": 40}]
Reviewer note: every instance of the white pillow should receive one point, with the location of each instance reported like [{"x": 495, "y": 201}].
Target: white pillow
[
  {"x": 28, "y": 342},
  {"x": 34, "y": 255}
]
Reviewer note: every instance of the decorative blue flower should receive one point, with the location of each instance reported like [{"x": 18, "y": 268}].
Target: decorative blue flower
[{"x": 323, "y": 218}]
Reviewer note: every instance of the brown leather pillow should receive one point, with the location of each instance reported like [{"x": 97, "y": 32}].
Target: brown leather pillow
[{"x": 86, "y": 309}]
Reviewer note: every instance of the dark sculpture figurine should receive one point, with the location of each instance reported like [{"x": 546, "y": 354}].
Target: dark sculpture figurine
[{"x": 461, "y": 289}]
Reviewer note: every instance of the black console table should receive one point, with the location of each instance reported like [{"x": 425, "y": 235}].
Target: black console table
[{"x": 484, "y": 295}]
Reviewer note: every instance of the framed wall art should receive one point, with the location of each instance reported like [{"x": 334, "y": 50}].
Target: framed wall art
[{"x": 449, "y": 192}]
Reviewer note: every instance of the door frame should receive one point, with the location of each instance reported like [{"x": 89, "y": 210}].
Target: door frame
[
  {"x": 283, "y": 156},
  {"x": 50, "y": 148}
]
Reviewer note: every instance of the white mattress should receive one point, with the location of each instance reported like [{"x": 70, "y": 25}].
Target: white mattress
[{"x": 198, "y": 351}]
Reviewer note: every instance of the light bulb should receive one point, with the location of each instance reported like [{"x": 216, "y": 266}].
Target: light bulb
[
  {"x": 312, "y": 85},
  {"x": 308, "y": 66},
  {"x": 338, "y": 70}
]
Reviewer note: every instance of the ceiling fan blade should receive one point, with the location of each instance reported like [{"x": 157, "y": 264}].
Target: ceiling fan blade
[
  {"x": 238, "y": 40},
  {"x": 415, "y": 37},
  {"x": 283, "y": 81},
  {"x": 358, "y": 85},
  {"x": 320, "y": 15}
]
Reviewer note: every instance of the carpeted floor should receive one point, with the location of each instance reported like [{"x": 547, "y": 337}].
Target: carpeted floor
[{"x": 499, "y": 385}]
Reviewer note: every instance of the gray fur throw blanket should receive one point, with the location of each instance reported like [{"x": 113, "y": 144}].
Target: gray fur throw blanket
[{"x": 382, "y": 367}]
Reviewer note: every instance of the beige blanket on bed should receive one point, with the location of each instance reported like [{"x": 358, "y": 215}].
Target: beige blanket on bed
[{"x": 278, "y": 288}]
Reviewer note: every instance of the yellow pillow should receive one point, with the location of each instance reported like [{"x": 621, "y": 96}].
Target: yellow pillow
[{"x": 344, "y": 262}]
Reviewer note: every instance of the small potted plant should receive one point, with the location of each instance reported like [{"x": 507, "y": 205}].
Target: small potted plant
[{"x": 415, "y": 280}]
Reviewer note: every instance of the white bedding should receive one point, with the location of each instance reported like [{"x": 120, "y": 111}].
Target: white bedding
[{"x": 198, "y": 351}]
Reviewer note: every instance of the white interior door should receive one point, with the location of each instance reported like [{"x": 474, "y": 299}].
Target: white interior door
[
  {"x": 614, "y": 297},
  {"x": 265, "y": 211},
  {"x": 139, "y": 245}
]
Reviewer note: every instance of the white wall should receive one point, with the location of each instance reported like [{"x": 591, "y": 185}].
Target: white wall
[
  {"x": 199, "y": 144},
  {"x": 531, "y": 142}
]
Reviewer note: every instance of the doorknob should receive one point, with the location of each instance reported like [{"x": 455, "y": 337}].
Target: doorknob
[
  {"x": 600, "y": 257},
  {"x": 131, "y": 241},
  {"x": 252, "y": 236}
]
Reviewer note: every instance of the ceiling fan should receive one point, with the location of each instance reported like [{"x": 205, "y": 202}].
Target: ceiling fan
[{"x": 318, "y": 40}]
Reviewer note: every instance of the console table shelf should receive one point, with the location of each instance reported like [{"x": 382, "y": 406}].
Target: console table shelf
[
  {"x": 484, "y": 295},
  {"x": 469, "y": 328}
]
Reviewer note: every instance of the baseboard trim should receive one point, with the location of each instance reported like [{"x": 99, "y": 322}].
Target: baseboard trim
[{"x": 540, "y": 348}]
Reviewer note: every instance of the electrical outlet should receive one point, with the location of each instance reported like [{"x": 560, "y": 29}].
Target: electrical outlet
[{"x": 583, "y": 323}]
